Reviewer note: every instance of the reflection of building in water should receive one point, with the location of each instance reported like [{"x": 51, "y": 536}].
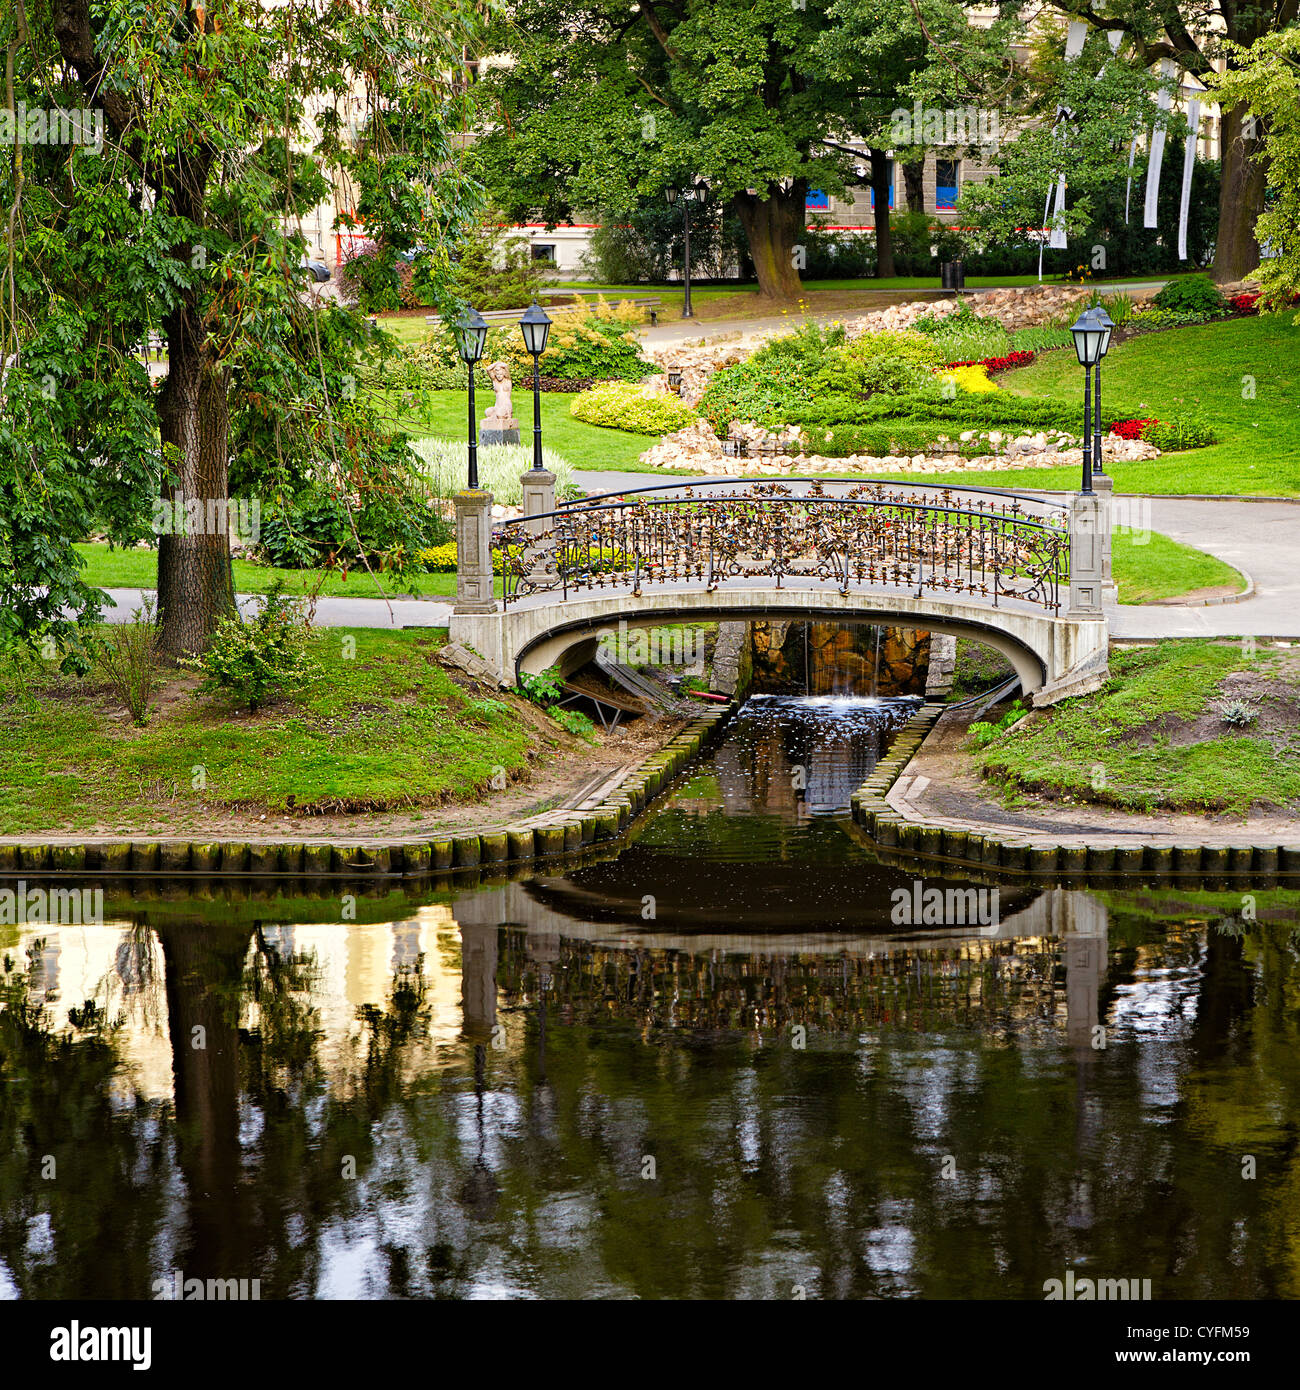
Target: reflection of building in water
[{"x": 118, "y": 966}]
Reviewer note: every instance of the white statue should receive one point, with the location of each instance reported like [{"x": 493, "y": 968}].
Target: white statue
[{"x": 500, "y": 415}]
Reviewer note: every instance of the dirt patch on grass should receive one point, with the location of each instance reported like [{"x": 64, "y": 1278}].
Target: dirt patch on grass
[{"x": 1274, "y": 695}]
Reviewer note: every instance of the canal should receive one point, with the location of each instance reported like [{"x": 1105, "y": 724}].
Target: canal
[{"x": 736, "y": 1058}]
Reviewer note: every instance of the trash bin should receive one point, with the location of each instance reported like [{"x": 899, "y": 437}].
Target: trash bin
[{"x": 958, "y": 275}]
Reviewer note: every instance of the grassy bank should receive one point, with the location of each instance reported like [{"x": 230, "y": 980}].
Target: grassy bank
[
  {"x": 1209, "y": 372},
  {"x": 387, "y": 729},
  {"x": 585, "y": 446},
  {"x": 1154, "y": 737},
  {"x": 1162, "y": 568}
]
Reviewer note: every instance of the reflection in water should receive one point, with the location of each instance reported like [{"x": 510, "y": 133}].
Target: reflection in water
[{"x": 536, "y": 1089}]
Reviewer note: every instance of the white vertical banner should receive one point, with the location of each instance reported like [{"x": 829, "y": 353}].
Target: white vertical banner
[
  {"x": 1057, "y": 239},
  {"x": 1189, "y": 162},
  {"x": 1114, "y": 37},
  {"x": 1128, "y": 187},
  {"x": 1074, "y": 37},
  {"x": 1167, "y": 69}
]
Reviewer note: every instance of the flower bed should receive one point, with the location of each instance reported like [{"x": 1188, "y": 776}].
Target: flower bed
[
  {"x": 1131, "y": 429},
  {"x": 999, "y": 364}
]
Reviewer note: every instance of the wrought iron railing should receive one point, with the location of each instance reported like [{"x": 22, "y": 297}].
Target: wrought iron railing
[{"x": 973, "y": 542}]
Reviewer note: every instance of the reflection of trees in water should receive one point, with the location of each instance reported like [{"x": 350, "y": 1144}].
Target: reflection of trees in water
[{"x": 520, "y": 1168}]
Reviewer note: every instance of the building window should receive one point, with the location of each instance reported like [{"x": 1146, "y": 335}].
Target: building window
[
  {"x": 544, "y": 252},
  {"x": 891, "y": 189},
  {"x": 946, "y": 184},
  {"x": 817, "y": 199}
]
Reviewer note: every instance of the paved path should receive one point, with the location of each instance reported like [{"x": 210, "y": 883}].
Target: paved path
[{"x": 330, "y": 612}]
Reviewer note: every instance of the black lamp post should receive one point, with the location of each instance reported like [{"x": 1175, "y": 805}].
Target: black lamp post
[
  {"x": 693, "y": 192},
  {"x": 535, "y": 326},
  {"x": 471, "y": 337},
  {"x": 1088, "y": 338},
  {"x": 1108, "y": 327}
]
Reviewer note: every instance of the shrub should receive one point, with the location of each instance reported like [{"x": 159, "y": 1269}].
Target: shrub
[
  {"x": 832, "y": 255},
  {"x": 442, "y": 464},
  {"x": 1247, "y": 303},
  {"x": 1171, "y": 435},
  {"x": 965, "y": 335},
  {"x": 544, "y": 689},
  {"x": 1197, "y": 294},
  {"x": 441, "y": 559},
  {"x": 573, "y": 721},
  {"x": 621, "y": 406},
  {"x": 772, "y": 384},
  {"x": 496, "y": 270},
  {"x": 125, "y": 659},
  {"x": 886, "y": 361},
  {"x": 1238, "y": 713},
  {"x": 253, "y": 660},
  {"x": 392, "y": 521},
  {"x": 1148, "y": 320},
  {"x": 599, "y": 344}
]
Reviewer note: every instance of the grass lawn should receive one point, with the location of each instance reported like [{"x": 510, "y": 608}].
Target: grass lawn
[
  {"x": 1163, "y": 568},
  {"x": 386, "y": 730},
  {"x": 138, "y": 569},
  {"x": 585, "y": 446},
  {"x": 1155, "y": 733},
  {"x": 1203, "y": 372}
]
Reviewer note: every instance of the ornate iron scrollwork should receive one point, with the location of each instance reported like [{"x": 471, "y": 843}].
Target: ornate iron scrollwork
[{"x": 868, "y": 536}]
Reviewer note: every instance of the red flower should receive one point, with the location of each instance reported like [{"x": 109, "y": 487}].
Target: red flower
[
  {"x": 1131, "y": 429},
  {"x": 999, "y": 364},
  {"x": 1244, "y": 303}
]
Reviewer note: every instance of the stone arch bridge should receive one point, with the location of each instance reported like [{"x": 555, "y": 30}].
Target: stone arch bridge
[{"x": 1023, "y": 576}]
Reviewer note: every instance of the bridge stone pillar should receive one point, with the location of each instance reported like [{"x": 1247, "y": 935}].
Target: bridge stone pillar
[
  {"x": 1089, "y": 516},
  {"x": 539, "y": 496},
  {"x": 474, "y": 552},
  {"x": 539, "y": 500},
  {"x": 1105, "y": 486}
]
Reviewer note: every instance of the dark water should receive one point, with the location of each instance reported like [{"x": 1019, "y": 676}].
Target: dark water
[{"x": 715, "y": 1065}]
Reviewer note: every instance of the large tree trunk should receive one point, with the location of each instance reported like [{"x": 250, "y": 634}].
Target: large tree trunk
[
  {"x": 880, "y": 171},
  {"x": 195, "y": 585},
  {"x": 774, "y": 227},
  {"x": 1241, "y": 200},
  {"x": 914, "y": 185}
]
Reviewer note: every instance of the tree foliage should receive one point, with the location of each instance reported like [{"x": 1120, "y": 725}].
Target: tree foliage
[{"x": 223, "y": 125}]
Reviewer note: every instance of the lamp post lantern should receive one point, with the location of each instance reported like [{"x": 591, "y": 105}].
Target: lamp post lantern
[
  {"x": 1089, "y": 336},
  {"x": 471, "y": 337},
  {"x": 1108, "y": 327},
  {"x": 535, "y": 326}
]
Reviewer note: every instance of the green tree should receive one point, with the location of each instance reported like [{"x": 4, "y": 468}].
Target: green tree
[
  {"x": 1076, "y": 119},
  {"x": 1196, "y": 33},
  {"x": 220, "y": 125},
  {"x": 605, "y": 104},
  {"x": 1265, "y": 80}
]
